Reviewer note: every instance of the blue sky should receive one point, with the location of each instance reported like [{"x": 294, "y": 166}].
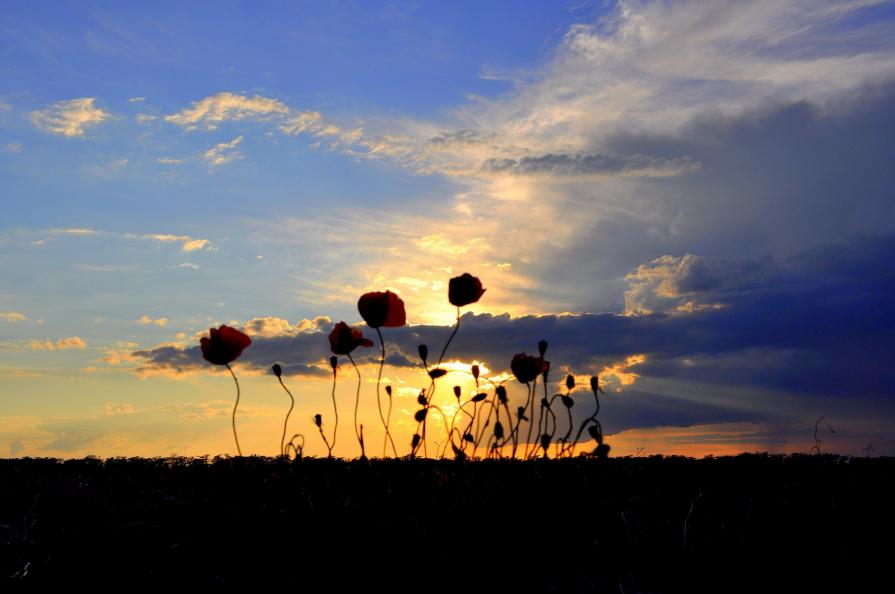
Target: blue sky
[{"x": 659, "y": 173}]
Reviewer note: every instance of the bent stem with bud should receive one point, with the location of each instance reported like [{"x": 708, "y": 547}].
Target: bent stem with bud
[{"x": 235, "y": 406}]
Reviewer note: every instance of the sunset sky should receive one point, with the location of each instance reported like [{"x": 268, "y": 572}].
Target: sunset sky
[{"x": 695, "y": 200}]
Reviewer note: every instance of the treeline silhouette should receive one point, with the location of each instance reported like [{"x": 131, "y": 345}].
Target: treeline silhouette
[{"x": 751, "y": 523}]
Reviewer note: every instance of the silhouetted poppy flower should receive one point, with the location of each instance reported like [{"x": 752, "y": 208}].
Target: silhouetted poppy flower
[
  {"x": 527, "y": 367},
  {"x": 344, "y": 339},
  {"x": 464, "y": 289},
  {"x": 223, "y": 345},
  {"x": 380, "y": 308}
]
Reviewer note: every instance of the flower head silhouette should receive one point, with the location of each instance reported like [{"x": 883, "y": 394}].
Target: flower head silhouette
[
  {"x": 344, "y": 339},
  {"x": 464, "y": 289},
  {"x": 527, "y": 367},
  {"x": 223, "y": 345},
  {"x": 382, "y": 308}
]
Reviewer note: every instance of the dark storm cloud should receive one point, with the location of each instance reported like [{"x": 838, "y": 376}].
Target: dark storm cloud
[{"x": 561, "y": 164}]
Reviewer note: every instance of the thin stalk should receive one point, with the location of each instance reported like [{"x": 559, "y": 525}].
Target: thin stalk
[
  {"x": 360, "y": 432},
  {"x": 450, "y": 338},
  {"x": 388, "y": 435},
  {"x": 235, "y": 406},
  {"x": 286, "y": 422},
  {"x": 336, "y": 424}
]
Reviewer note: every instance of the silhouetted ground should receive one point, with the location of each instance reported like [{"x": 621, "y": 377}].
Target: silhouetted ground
[{"x": 752, "y": 523}]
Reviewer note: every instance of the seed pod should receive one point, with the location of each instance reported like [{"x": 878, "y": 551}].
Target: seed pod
[
  {"x": 479, "y": 397},
  {"x": 498, "y": 430},
  {"x": 437, "y": 373},
  {"x": 277, "y": 370},
  {"x": 457, "y": 392},
  {"x": 570, "y": 382},
  {"x": 415, "y": 441},
  {"x": 475, "y": 372},
  {"x": 420, "y": 415},
  {"x": 318, "y": 420},
  {"x": 542, "y": 347},
  {"x": 501, "y": 394},
  {"x": 594, "y": 384},
  {"x": 334, "y": 362},
  {"x": 568, "y": 401},
  {"x": 424, "y": 352},
  {"x": 388, "y": 390}
]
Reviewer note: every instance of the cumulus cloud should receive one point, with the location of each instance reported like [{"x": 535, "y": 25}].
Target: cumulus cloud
[
  {"x": 223, "y": 153},
  {"x": 592, "y": 165},
  {"x": 146, "y": 321},
  {"x": 211, "y": 111},
  {"x": 70, "y": 118}
]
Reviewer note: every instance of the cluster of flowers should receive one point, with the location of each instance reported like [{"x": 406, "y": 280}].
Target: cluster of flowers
[{"x": 384, "y": 309}]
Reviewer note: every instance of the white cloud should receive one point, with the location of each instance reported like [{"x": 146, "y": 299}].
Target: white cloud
[
  {"x": 72, "y": 342},
  {"x": 224, "y": 152},
  {"x": 13, "y": 147},
  {"x": 73, "y": 231},
  {"x": 208, "y": 113},
  {"x": 190, "y": 244},
  {"x": 12, "y": 316},
  {"x": 69, "y": 118},
  {"x": 136, "y": 100},
  {"x": 169, "y": 161}
]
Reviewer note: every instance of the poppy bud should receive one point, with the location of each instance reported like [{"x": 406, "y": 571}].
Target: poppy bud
[
  {"x": 457, "y": 392},
  {"x": 545, "y": 403},
  {"x": 318, "y": 419},
  {"x": 420, "y": 415},
  {"x": 334, "y": 362},
  {"x": 464, "y": 289},
  {"x": 424, "y": 352},
  {"x": 594, "y": 384},
  {"x": 437, "y": 373},
  {"x": 501, "y": 394},
  {"x": 542, "y": 347},
  {"x": 421, "y": 399},
  {"x": 545, "y": 441},
  {"x": 388, "y": 390},
  {"x": 602, "y": 451},
  {"x": 570, "y": 382},
  {"x": 475, "y": 372},
  {"x": 415, "y": 441},
  {"x": 458, "y": 453},
  {"x": 498, "y": 430},
  {"x": 520, "y": 412},
  {"x": 277, "y": 370},
  {"x": 596, "y": 433},
  {"x": 479, "y": 397},
  {"x": 468, "y": 437},
  {"x": 567, "y": 400}
]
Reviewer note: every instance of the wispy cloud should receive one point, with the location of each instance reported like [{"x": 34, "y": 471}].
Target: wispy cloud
[
  {"x": 70, "y": 118},
  {"x": 13, "y": 147},
  {"x": 169, "y": 161},
  {"x": 211, "y": 111},
  {"x": 189, "y": 244},
  {"x": 72, "y": 342},
  {"x": 12, "y": 316},
  {"x": 223, "y": 153}
]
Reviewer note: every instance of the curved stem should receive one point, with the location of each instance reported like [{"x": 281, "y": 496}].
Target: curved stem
[
  {"x": 286, "y": 422},
  {"x": 336, "y": 425},
  {"x": 450, "y": 338},
  {"x": 388, "y": 435},
  {"x": 358, "y": 432},
  {"x": 235, "y": 406}
]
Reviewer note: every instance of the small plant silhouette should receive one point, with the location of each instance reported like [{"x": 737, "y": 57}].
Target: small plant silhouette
[{"x": 222, "y": 346}]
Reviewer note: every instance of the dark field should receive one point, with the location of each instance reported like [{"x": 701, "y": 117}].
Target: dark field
[{"x": 746, "y": 523}]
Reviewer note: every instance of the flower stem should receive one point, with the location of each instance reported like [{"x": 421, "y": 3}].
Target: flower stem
[
  {"x": 336, "y": 424},
  {"x": 358, "y": 432},
  {"x": 286, "y": 422},
  {"x": 235, "y": 406},
  {"x": 388, "y": 435},
  {"x": 450, "y": 338}
]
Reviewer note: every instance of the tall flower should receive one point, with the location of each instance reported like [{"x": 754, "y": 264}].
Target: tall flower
[
  {"x": 382, "y": 308},
  {"x": 528, "y": 367},
  {"x": 222, "y": 346},
  {"x": 344, "y": 339},
  {"x": 465, "y": 289}
]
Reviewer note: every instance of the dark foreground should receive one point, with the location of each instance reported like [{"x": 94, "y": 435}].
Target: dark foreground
[{"x": 748, "y": 523}]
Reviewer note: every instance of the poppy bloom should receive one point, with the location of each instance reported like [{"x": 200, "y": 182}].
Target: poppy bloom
[
  {"x": 527, "y": 367},
  {"x": 224, "y": 345},
  {"x": 380, "y": 308},
  {"x": 464, "y": 289},
  {"x": 344, "y": 339}
]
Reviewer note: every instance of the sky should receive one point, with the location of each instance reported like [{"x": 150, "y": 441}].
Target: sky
[{"x": 693, "y": 200}]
